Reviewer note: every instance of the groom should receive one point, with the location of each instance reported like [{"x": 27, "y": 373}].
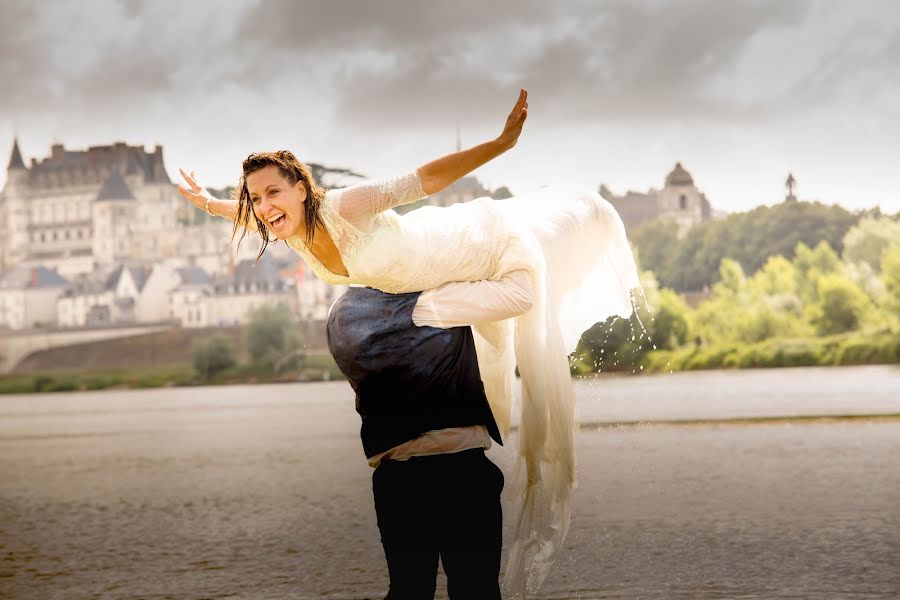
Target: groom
[{"x": 426, "y": 422}]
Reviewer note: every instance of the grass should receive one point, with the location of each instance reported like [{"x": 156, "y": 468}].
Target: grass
[
  {"x": 846, "y": 349},
  {"x": 317, "y": 367}
]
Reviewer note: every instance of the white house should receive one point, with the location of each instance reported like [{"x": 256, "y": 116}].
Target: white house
[
  {"x": 98, "y": 299},
  {"x": 190, "y": 300},
  {"x": 249, "y": 285},
  {"x": 28, "y": 297}
]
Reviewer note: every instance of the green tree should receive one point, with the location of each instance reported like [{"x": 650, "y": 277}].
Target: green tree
[
  {"x": 272, "y": 338},
  {"x": 751, "y": 238},
  {"x": 777, "y": 277},
  {"x": 841, "y": 306},
  {"x": 732, "y": 281},
  {"x": 670, "y": 325},
  {"x": 212, "y": 355},
  {"x": 890, "y": 275},
  {"x": 868, "y": 239},
  {"x": 655, "y": 244},
  {"x": 811, "y": 264}
]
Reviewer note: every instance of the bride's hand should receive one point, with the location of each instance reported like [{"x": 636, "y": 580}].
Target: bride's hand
[
  {"x": 194, "y": 192},
  {"x": 514, "y": 122}
]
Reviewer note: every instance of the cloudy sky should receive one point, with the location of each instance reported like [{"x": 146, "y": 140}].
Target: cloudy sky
[{"x": 741, "y": 92}]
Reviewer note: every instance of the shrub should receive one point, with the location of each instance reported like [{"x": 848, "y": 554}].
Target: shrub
[
  {"x": 841, "y": 307},
  {"x": 272, "y": 339},
  {"x": 211, "y": 356}
]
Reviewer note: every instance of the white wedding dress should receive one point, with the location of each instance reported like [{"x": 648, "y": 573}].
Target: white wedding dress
[{"x": 573, "y": 244}]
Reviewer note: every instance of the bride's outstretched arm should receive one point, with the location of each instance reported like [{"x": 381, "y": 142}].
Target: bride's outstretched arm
[
  {"x": 442, "y": 172},
  {"x": 202, "y": 199},
  {"x": 360, "y": 203}
]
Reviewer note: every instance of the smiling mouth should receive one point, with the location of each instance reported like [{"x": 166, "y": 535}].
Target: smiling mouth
[{"x": 277, "y": 221}]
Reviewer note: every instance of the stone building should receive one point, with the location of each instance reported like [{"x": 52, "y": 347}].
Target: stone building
[
  {"x": 249, "y": 285},
  {"x": 103, "y": 297},
  {"x": 28, "y": 296},
  {"x": 78, "y": 209},
  {"x": 679, "y": 201}
]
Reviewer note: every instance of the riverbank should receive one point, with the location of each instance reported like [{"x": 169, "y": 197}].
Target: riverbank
[
  {"x": 838, "y": 350},
  {"x": 316, "y": 367}
]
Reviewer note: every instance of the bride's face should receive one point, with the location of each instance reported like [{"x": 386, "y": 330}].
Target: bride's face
[{"x": 277, "y": 202}]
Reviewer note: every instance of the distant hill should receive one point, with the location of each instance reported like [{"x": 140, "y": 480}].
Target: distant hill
[{"x": 692, "y": 262}]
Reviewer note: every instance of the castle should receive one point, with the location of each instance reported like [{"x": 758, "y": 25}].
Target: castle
[
  {"x": 678, "y": 201},
  {"x": 98, "y": 237},
  {"x": 75, "y": 210}
]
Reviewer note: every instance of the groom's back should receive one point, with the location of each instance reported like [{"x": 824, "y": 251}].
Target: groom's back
[{"x": 407, "y": 379}]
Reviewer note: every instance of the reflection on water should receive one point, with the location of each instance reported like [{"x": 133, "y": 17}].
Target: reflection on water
[{"x": 262, "y": 492}]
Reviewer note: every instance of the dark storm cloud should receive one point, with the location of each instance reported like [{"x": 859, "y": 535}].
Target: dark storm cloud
[
  {"x": 48, "y": 63},
  {"x": 658, "y": 59},
  {"x": 109, "y": 59},
  {"x": 387, "y": 24},
  {"x": 861, "y": 65},
  {"x": 583, "y": 60},
  {"x": 24, "y": 56},
  {"x": 394, "y": 62}
]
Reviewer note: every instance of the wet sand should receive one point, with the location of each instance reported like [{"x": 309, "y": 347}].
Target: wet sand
[{"x": 262, "y": 492}]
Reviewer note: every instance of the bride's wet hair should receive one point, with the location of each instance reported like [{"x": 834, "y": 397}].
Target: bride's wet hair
[{"x": 293, "y": 171}]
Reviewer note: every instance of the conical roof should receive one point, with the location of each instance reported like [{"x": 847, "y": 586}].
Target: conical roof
[
  {"x": 115, "y": 188},
  {"x": 15, "y": 159}
]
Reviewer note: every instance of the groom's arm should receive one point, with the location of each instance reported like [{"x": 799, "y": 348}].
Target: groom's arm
[{"x": 468, "y": 302}]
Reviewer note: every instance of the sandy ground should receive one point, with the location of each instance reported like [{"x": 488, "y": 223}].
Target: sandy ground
[{"x": 262, "y": 492}]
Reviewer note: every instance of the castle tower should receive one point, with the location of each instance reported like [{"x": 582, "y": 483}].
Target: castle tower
[
  {"x": 681, "y": 201},
  {"x": 113, "y": 213},
  {"x": 14, "y": 220}
]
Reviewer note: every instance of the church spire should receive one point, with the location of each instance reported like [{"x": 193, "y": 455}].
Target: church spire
[{"x": 15, "y": 160}]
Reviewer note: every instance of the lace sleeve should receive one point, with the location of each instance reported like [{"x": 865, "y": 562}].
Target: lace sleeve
[{"x": 359, "y": 203}]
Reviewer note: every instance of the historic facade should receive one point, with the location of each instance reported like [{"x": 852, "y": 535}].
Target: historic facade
[
  {"x": 679, "y": 200},
  {"x": 78, "y": 209}
]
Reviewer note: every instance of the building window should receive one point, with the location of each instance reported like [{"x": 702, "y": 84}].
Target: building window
[{"x": 682, "y": 202}]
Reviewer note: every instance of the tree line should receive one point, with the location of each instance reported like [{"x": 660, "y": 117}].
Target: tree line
[{"x": 833, "y": 301}]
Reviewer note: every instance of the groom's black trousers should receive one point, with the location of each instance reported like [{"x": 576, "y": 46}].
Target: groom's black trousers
[{"x": 447, "y": 506}]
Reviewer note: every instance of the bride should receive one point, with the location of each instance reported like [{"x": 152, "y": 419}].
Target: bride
[{"x": 572, "y": 244}]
